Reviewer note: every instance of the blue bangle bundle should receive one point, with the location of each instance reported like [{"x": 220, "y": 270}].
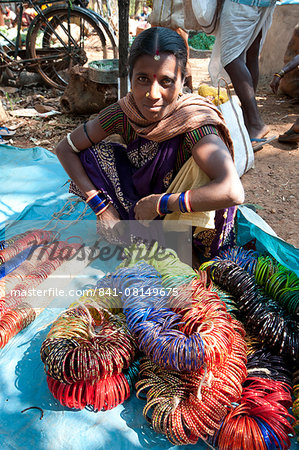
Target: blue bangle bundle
[
  {"x": 184, "y": 202},
  {"x": 162, "y": 205},
  {"x": 98, "y": 203}
]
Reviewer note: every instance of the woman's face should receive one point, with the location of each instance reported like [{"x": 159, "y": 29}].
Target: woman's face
[{"x": 156, "y": 85}]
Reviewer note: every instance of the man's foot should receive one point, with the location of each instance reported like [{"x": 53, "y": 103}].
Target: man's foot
[
  {"x": 258, "y": 143},
  {"x": 292, "y": 135},
  {"x": 258, "y": 133},
  {"x": 289, "y": 136}
]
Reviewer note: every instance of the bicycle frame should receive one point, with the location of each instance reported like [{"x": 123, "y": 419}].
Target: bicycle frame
[{"x": 37, "y": 6}]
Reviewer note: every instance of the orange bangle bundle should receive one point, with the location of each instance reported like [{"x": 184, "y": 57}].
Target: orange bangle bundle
[
  {"x": 100, "y": 395},
  {"x": 14, "y": 321},
  {"x": 206, "y": 314}
]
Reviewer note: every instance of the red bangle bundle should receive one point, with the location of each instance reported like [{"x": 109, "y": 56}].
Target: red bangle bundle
[
  {"x": 260, "y": 420},
  {"x": 206, "y": 314},
  {"x": 33, "y": 238},
  {"x": 100, "y": 395}
]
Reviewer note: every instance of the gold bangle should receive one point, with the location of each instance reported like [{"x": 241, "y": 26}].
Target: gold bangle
[{"x": 280, "y": 74}]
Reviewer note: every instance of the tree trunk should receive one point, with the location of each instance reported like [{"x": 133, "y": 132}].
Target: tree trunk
[
  {"x": 123, "y": 30},
  {"x": 83, "y": 96}
]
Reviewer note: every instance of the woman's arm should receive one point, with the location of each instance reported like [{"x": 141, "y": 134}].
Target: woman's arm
[
  {"x": 70, "y": 159},
  {"x": 224, "y": 189}
]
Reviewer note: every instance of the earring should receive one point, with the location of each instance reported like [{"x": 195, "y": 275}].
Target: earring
[{"x": 147, "y": 94}]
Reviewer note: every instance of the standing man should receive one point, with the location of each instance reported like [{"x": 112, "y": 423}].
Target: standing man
[{"x": 242, "y": 30}]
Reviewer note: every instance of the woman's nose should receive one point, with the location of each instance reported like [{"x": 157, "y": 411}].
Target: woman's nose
[{"x": 155, "y": 90}]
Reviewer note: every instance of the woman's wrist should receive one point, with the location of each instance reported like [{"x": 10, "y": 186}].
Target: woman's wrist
[
  {"x": 98, "y": 202},
  {"x": 168, "y": 203}
]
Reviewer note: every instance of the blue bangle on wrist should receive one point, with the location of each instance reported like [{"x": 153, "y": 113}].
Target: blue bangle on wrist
[{"x": 98, "y": 203}]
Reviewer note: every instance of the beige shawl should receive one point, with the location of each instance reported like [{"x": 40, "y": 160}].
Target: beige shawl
[{"x": 188, "y": 113}]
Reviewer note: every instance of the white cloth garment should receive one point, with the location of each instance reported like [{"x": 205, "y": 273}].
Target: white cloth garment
[{"x": 239, "y": 25}]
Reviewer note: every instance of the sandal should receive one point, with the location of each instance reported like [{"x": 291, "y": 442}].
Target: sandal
[
  {"x": 6, "y": 133},
  {"x": 289, "y": 136},
  {"x": 258, "y": 143}
]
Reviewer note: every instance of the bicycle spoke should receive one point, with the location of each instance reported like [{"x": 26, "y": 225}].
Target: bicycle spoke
[{"x": 67, "y": 38}]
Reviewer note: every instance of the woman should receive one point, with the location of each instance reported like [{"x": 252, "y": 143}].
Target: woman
[{"x": 173, "y": 141}]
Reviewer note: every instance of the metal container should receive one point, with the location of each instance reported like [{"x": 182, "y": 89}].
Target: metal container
[{"x": 103, "y": 71}]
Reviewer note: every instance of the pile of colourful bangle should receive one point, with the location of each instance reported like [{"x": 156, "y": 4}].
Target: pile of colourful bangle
[
  {"x": 89, "y": 356},
  {"x": 195, "y": 378},
  {"x": 20, "y": 275},
  {"x": 264, "y": 317},
  {"x": 196, "y": 353}
]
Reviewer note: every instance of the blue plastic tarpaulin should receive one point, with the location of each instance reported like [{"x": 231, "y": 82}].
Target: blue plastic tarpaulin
[{"x": 35, "y": 179}]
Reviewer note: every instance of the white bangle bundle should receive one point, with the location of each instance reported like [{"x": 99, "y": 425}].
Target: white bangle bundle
[{"x": 70, "y": 142}]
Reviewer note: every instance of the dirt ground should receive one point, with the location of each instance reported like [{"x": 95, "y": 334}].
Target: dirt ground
[{"x": 271, "y": 186}]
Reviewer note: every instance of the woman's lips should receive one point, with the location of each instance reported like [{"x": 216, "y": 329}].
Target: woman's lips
[{"x": 153, "y": 108}]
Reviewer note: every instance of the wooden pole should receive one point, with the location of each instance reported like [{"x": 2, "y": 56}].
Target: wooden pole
[{"x": 123, "y": 45}]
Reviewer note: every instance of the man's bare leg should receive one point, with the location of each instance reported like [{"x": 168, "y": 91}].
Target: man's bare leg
[{"x": 245, "y": 85}]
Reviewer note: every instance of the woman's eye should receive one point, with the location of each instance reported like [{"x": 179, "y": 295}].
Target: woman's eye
[
  {"x": 142, "y": 79},
  {"x": 167, "y": 82}
]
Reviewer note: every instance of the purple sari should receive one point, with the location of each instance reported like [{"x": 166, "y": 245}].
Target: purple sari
[{"x": 127, "y": 174}]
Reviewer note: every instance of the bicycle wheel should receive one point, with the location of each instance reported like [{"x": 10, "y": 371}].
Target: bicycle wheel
[{"x": 63, "y": 38}]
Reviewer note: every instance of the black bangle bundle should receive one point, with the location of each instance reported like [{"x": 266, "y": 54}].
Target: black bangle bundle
[
  {"x": 271, "y": 325},
  {"x": 278, "y": 282},
  {"x": 263, "y": 364},
  {"x": 86, "y": 133}
]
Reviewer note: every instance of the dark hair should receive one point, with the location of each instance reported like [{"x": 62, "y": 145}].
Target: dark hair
[{"x": 158, "y": 40}]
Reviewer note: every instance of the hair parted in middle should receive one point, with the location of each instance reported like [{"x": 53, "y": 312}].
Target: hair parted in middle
[{"x": 157, "y": 40}]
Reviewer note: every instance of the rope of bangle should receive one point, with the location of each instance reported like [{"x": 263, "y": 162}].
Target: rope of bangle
[
  {"x": 13, "y": 321},
  {"x": 88, "y": 353},
  {"x": 19, "y": 275}
]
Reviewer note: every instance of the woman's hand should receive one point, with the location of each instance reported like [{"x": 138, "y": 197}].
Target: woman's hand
[
  {"x": 275, "y": 83},
  {"x": 146, "y": 208},
  {"x": 109, "y": 225}
]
